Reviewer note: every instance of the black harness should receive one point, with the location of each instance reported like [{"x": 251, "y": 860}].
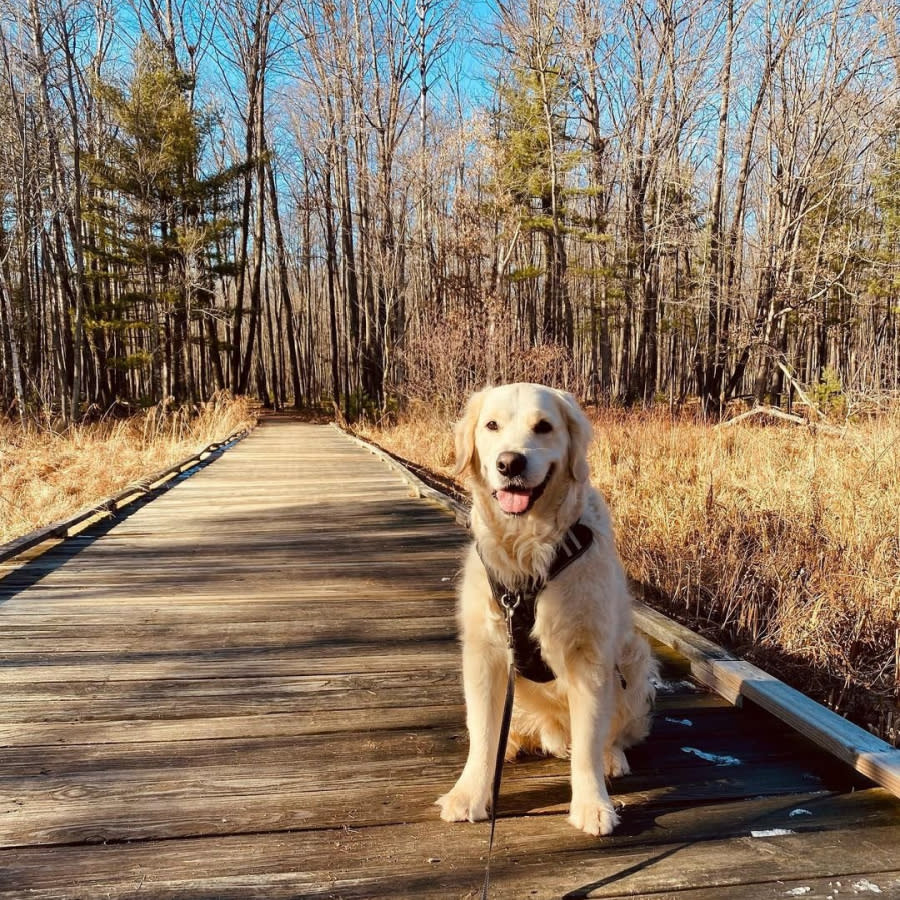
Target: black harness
[{"x": 519, "y": 605}]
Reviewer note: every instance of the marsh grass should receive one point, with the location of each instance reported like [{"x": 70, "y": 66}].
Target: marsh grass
[
  {"x": 46, "y": 474},
  {"x": 779, "y": 541}
]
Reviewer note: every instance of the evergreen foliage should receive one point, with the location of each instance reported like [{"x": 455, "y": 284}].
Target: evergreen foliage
[{"x": 159, "y": 225}]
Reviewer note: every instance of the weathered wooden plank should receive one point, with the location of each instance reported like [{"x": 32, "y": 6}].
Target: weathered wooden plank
[
  {"x": 156, "y": 735},
  {"x": 252, "y": 707},
  {"x": 81, "y": 747},
  {"x": 173, "y": 697},
  {"x": 428, "y": 750},
  {"x": 103, "y": 701},
  {"x": 227, "y": 566},
  {"x": 306, "y": 660},
  {"x": 138, "y": 770},
  {"x": 273, "y": 543},
  {"x": 665, "y": 748},
  {"x": 90, "y": 611},
  {"x": 536, "y": 856},
  {"x": 809, "y": 888},
  {"x": 149, "y": 588},
  {"x": 430, "y": 568},
  {"x": 301, "y": 690},
  {"x": 167, "y": 584},
  {"x": 21, "y": 642},
  {"x": 208, "y": 801}
]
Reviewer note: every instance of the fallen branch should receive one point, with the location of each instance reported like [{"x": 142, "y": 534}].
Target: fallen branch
[
  {"x": 800, "y": 393},
  {"x": 776, "y": 413}
]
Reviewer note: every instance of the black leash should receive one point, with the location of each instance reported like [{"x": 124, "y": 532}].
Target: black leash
[
  {"x": 508, "y": 608},
  {"x": 523, "y": 652}
]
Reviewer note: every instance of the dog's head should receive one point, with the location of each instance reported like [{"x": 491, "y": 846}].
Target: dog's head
[{"x": 521, "y": 443}]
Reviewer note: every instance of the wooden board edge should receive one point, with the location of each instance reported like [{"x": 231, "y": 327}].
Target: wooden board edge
[
  {"x": 124, "y": 498},
  {"x": 723, "y": 672},
  {"x": 734, "y": 679},
  {"x": 460, "y": 511}
]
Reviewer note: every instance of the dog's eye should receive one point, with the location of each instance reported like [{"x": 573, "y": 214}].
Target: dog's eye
[
  {"x": 543, "y": 427},
  {"x": 492, "y": 426}
]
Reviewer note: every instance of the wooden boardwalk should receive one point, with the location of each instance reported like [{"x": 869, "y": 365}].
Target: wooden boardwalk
[{"x": 249, "y": 687}]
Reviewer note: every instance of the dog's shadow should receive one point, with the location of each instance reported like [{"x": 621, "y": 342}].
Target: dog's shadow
[
  {"x": 550, "y": 796},
  {"x": 650, "y": 832}
]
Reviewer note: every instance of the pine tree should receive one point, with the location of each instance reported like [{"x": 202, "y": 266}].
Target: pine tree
[
  {"x": 531, "y": 167},
  {"x": 159, "y": 226}
]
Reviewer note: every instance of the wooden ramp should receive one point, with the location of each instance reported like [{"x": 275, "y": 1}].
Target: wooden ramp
[{"x": 249, "y": 687}]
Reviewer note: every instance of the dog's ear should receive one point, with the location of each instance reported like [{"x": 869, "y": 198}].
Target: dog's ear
[
  {"x": 580, "y": 434},
  {"x": 464, "y": 434}
]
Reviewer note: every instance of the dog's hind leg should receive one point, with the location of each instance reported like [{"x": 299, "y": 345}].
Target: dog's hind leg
[
  {"x": 639, "y": 672},
  {"x": 615, "y": 763},
  {"x": 540, "y": 720},
  {"x": 514, "y": 745}
]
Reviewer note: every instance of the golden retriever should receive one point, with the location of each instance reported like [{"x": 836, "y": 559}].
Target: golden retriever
[{"x": 522, "y": 448}]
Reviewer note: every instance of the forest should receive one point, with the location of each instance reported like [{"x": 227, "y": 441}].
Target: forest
[{"x": 367, "y": 204}]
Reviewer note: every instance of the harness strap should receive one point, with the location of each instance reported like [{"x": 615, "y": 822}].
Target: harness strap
[
  {"x": 527, "y": 658},
  {"x": 575, "y": 541},
  {"x": 522, "y": 604}
]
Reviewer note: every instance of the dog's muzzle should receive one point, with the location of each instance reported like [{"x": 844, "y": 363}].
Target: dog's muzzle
[{"x": 517, "y": 499}]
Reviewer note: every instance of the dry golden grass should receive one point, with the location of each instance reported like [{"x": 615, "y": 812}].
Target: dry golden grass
[
  {"x": 782, "y": 543},
  {"x": 47, "y": 475}
]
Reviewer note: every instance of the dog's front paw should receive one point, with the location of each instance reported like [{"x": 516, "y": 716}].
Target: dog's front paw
[
  {"x": 464, "y": 804},
  {"x": 593, "y": 815}
]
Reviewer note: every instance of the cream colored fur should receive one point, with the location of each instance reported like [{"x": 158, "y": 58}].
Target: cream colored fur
[{"x": 584, "y": 618}]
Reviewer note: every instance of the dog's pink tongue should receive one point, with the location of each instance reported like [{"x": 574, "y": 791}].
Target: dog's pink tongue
[{"x": 513, "y": 502}]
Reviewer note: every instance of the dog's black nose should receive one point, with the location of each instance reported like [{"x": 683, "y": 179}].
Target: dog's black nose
[{"x": 511, "y": 464}]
